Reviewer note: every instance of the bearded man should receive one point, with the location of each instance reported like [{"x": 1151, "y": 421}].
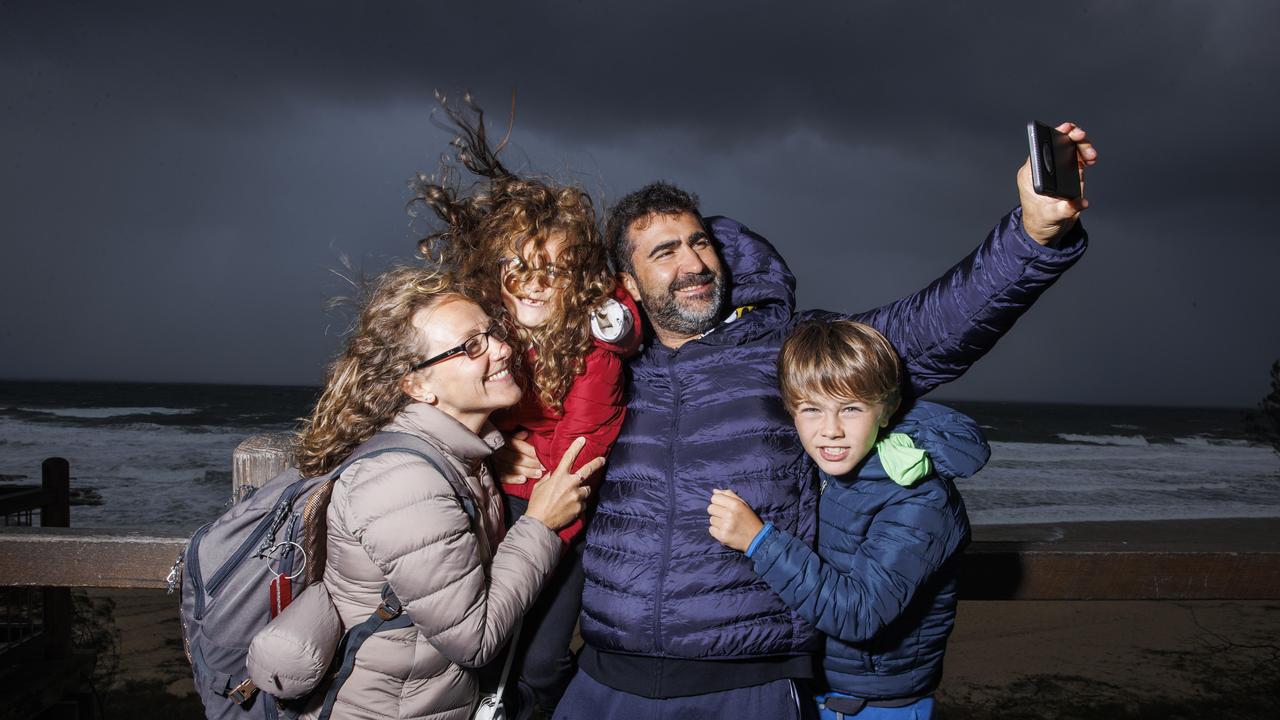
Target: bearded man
[{"x": 675, "y": 624}]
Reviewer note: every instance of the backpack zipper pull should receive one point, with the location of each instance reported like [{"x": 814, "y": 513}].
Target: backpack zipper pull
[
  {"x": 277, "y": 521},
  {"x": 175, "y": 573}
]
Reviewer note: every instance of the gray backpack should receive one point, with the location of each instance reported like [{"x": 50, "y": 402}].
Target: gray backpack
[{"x": 240, "y": 570}]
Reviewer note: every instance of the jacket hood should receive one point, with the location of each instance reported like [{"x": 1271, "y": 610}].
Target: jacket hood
[
  {"x": 757, "y": 273},
  {"x": 952, "y": 439}
]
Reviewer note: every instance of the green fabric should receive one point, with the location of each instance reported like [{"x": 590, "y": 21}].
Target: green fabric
[{"x": 902, "y": 460}]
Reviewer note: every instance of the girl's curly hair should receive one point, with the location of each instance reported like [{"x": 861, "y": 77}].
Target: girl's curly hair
[
  {"x": 363, "y": 391},
  {"x": 503, "y": 215}
]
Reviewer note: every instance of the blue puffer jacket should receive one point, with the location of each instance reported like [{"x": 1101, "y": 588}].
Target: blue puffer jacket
[
  {"x": 709, "y": 415},
  {"x": 882, "y": 585}
]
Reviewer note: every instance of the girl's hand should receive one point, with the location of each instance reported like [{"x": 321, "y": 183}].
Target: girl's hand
[
  {"x": 558, "y": 500},
  {"x": 733, "y": 522},
  {"x": 516, "y": 461}
]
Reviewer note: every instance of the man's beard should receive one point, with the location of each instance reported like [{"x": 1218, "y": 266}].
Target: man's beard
[{"x": 667, "y": 311}]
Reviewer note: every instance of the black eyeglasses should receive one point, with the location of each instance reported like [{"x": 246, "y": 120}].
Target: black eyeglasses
[{"x": 472, "y": 347}]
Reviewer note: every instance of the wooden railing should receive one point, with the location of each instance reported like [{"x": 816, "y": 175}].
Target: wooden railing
[
  {"x": 123, "y": 558},
  {"x": 53, "y": 502},
  {"x": 42, "y": 671},
  {"x": 1112, "y": 566}
]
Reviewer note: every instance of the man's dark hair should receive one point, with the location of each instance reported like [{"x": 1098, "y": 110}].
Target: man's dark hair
[{"x": 658, "y": 198}]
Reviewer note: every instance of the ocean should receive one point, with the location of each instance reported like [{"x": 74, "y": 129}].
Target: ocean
[{"x": 159, "y": 456}]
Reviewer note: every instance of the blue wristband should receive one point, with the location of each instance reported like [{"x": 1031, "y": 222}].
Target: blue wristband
[{"x": 760, "y": 536}]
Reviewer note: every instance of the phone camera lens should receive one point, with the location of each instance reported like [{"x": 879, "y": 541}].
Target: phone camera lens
[{"x": 1046, "y": 157}]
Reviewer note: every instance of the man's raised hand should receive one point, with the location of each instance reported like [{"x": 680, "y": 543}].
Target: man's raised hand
[{"x": 1046, "y": 219}]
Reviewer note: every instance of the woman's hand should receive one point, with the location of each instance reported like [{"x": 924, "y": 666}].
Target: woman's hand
[
  {"x": 558, "y": 500},
  {"x": 733, "y": 522},
  {"x": 516, "y": 461}
]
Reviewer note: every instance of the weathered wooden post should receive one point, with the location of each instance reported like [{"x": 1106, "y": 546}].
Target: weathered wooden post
[
  {"x": 258, "y": 459},
  {"x": 55, "y": 481}
]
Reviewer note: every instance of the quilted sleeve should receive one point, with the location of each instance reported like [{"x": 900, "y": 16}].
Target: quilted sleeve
[
  {"x": 907, "y": 543},
  {"x": 943, "y": 329},
  {"x": 411, "y": 522},
  {"x": 593, "y": 409}
]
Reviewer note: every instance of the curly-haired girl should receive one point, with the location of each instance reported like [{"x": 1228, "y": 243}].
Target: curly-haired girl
[{"x": 531, "y": 250}]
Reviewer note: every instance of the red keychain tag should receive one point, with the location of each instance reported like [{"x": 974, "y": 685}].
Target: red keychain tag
[{"x": 281, "y": 594}]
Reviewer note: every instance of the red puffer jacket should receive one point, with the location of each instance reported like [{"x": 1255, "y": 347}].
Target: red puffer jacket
[{"x": 593, "y": 408}]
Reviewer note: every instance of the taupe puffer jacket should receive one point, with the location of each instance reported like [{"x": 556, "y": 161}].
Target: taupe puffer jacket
[{"x": 393, "y": 518}]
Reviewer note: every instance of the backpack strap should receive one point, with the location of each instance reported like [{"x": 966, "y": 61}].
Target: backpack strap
[
  {"x": 388, "y": 441},
  {"x": 390, "y": 615}
]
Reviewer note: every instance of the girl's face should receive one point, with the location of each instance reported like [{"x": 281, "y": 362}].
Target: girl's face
[{"x": 532, "y": 300}]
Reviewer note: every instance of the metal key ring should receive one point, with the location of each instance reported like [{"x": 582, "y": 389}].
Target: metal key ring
[{"x": 269, "y": 555}]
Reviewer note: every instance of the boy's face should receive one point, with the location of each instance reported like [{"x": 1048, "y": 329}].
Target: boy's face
[{"x": 837, "y": 432}]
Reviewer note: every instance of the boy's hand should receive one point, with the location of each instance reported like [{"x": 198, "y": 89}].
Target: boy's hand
[{"x": 733, "y": 522}]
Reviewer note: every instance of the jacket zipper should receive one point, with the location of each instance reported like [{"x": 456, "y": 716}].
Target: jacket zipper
[{"x": 665, "y": 558}]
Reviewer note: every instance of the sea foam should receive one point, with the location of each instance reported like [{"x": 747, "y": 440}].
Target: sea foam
[{"x": 109, "y": 412}]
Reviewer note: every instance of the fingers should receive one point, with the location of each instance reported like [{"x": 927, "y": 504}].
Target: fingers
[
  {"x": 591, "y": 467},
  {"x": 523, "y": 455},
  {"x": 728, "y": 499},
  {"x": 1085, "y": 150},
  {"x": 570, "y": 455},
  {"x": 507, "y": 461},
  {"x": 718, "y": 534},
  {"x": 723, "y": 503},
  {"x": 1087, "y": 153}
]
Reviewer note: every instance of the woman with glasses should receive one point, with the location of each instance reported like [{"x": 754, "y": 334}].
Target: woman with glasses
[
  {"x": 430, "y": 363},
  {"x": 533, "y": 252}
]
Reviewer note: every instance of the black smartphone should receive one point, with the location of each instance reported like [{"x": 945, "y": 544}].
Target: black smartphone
[{"x": 1055, "y": 171}]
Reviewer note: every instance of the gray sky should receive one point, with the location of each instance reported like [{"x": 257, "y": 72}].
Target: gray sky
[{"x": 178, "y": 184}]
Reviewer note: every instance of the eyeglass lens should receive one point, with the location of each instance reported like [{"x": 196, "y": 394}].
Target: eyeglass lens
[{"x": 477, "y": 345}]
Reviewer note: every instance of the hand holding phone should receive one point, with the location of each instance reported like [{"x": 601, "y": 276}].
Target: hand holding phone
[
  {"x": 1046, "y": 218},
  {"x": 1055, "y": 167}
]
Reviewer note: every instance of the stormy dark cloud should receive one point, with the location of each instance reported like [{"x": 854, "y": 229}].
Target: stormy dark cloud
[{"x": 179, "y": 183}]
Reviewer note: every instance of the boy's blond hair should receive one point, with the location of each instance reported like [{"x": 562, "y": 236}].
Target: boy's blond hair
[{"x": 839, "y": 358}]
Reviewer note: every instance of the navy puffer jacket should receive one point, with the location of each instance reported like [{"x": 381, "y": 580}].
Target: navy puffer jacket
[
  {"x": 709, "y": 415},
  {"x": 882, "y": 585}
]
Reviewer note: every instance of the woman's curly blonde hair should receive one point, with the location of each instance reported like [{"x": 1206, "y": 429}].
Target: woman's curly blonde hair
[
  {"x": 503, "y": 215},
  {"x": 363, "y": 391}
]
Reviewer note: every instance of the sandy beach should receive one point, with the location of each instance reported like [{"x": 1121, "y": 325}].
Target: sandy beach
[{"x": 1040, "y": 659}]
